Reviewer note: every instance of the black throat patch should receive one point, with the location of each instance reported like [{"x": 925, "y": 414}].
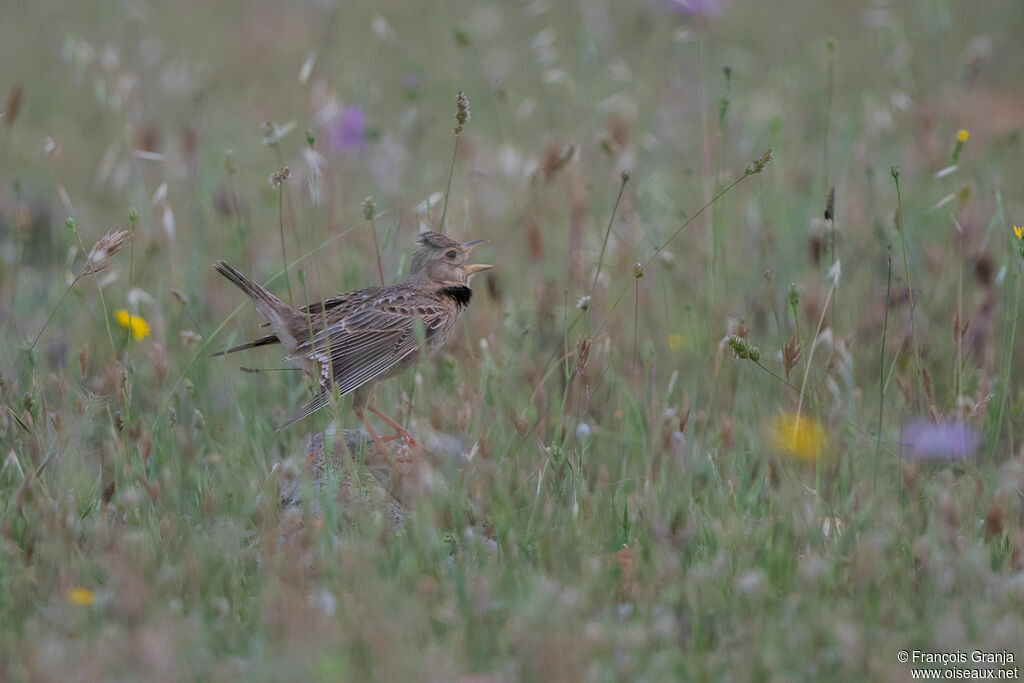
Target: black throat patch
[{"x": 461, "y": 293}]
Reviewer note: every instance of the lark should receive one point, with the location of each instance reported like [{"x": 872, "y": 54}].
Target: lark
[{"x": 354, "y": 340}]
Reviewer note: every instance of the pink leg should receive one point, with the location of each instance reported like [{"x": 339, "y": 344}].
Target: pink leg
[
  {"x": 400, "y": 431},
  {"x": 377, "y": 441}
]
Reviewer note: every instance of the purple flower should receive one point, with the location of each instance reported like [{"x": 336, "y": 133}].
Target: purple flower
[
  {"x": 348, "y": 132},
  {"x": 697, "y": 8},
  {"x": 925, "y": 440}
]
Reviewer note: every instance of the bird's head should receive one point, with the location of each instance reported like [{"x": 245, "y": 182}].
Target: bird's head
[{"x": 442, "y": 260}]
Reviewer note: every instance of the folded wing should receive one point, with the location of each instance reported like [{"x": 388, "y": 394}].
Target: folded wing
[{"x": 372, "y": 341}]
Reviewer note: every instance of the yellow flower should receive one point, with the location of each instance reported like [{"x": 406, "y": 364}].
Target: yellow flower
[
  {"x": 962, "y": 135},
  {"x": 799, "y": 436},
  {"x": 1018, "y": 231},
  {"x": 80, "y": 596},
  {"x": 675, "y": 342},
  {"x": 138, "y": 326}
]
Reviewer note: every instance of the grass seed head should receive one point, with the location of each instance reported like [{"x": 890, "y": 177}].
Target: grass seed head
[
  {"x": 558, "y": 157},
  {"x": 104, "y": 250},
  {"x": 742, "y": 349},
  {"x": 278, "y": 178},
  {"x": 13, "y": 108},
  {"x": 760, "y": 163},
  {"x": 791, "y": 353},
  {"x": 229, "y": 162},
  {"x": 461, "y": 111}
]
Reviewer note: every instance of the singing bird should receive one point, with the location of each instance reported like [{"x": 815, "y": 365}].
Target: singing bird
[{"x": 354, "y": 340}]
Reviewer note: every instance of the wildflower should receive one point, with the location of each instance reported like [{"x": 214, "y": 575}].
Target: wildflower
[
  {"x": 961, "y": 138},
  {"x": 80, "y": 596},
  {"x": 133, "y": 323},
  {"x": 799, "y": 436},
  {"x": 104, "y": 250},
  {"x": 675, "y": 342},
  {"x": 349, "y": 131},
  {"x": 277, "y": 178},
  {"x": 926, "y": 440},
  {"x": 696, "y": 8},
  {"x": 1017, "y": 230},
  {"x": 582, "y": 431}
]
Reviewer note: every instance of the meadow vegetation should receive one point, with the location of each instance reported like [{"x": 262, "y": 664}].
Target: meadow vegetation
[{"x": 720, "y": 412}]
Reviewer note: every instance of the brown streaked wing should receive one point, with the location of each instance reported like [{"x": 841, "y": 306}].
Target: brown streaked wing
[
  {"x": 363, "y": 356},
  {"x": 369, "y": 342}
]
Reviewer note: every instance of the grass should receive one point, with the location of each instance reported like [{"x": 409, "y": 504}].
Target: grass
[{"x": 639, "y": 504}]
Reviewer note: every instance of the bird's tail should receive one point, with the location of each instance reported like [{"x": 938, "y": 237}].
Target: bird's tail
[
  {"x": 262, "y": 341},
  {"x": 305, "y": 411},
  {"x": 280, "y": 314}
]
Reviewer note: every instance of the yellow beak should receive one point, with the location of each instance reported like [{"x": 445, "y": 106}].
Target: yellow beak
[{"x": 474, "y": 268}]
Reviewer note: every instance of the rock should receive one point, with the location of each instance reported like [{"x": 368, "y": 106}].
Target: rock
[{"x": 367, "y": 482}]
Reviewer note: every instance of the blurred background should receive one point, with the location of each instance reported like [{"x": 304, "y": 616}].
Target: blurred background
[{"x": 603, "y": 408}]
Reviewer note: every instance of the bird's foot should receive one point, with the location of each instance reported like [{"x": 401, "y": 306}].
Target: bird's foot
[
  {"x": 403, "y": 454},
  {"x": 406, "y": 438},
  {"x": 407, "y": 451},
  {"x": 400, "y": 431}
]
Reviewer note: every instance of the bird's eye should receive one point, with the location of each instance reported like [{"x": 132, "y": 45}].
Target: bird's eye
[{"x": 450, "y": 254}]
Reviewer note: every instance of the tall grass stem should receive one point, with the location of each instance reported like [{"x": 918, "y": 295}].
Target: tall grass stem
[
  {"x": 608, "y": 232},
  {"x": 448, "y": 188}
]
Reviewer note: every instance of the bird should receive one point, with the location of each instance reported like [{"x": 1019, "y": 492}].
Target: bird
[{"x": 353, "y": 340}]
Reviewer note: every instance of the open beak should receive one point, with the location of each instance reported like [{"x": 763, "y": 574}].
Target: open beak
[{"x": 474, "y": 268}]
